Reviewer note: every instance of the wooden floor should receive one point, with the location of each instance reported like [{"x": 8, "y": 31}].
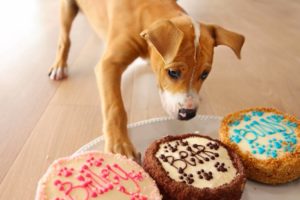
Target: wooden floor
[{"x": 42, "y": 120}]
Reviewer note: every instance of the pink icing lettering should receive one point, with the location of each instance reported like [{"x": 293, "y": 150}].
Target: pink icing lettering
[
  {"x": 66, "y": 172},
  {"x": 96, "y": 179},
  {"x": 57, "y": 182},
  {"x": 80, "y": 178},
  {"x": 98, "y": 164},
  {"x": 94, "y": 194},
  {"x": 85, "y": 167}
]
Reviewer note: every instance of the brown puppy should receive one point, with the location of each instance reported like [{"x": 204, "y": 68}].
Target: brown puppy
[{"x": 180, "y": 51}]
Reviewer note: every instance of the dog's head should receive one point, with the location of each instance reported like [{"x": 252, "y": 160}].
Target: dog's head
[{"x": 181, "y": 54}]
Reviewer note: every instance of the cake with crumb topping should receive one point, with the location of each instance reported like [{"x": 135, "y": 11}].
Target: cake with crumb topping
[{"x": 267, "y": 141}]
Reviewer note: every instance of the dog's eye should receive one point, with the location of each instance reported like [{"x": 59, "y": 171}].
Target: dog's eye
[
  {"x": 174, "y": 74},
  {"x": 204, "y": 75}
]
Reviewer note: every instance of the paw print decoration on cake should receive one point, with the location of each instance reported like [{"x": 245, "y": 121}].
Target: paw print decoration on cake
[{"x": 268, "y": 142}]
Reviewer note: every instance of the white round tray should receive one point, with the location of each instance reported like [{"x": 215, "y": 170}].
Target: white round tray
[{"x": 143, "y": 133}]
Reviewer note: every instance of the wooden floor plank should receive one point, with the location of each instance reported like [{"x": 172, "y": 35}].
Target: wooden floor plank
[{"x": 61, "y": 131}]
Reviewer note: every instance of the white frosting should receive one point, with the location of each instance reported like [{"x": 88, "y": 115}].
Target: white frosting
[
  {"x": 219, "y": 178},
  {"x": 47, "y": 188},
  {"x": 264, "y": 145}
]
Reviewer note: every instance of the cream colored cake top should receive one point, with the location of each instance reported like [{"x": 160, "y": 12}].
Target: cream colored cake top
[
  {"x": 96, "y": 176},
  {"x": 264, "y": 134},
  {"x": 197, "y": 161}
]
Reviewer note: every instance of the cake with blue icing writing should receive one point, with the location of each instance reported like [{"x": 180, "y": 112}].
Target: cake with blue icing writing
[
  {"x": 192, "y": 166},
  {"x": 268, "y": 142},
  {"x": 96, "y": 176}
]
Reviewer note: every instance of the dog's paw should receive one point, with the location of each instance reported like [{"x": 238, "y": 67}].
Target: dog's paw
[
  {"x": 123, "y": 147},
  {"x": 58, "y": 73}
]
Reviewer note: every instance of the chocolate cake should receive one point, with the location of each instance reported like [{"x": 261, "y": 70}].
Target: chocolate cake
[
  {"x": 268, "y": 142},
  {"x": 193, "y": 166}
]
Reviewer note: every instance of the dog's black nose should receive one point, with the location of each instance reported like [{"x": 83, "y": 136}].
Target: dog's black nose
[{"x": 186, "y": 114}]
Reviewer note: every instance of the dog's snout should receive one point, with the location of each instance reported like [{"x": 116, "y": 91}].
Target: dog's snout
[{"x": 186, "y": 114}]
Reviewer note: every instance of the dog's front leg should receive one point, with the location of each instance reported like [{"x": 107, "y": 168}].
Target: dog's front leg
[
  {"x": 108, "y": 73},
  {"x": 68, "y": 12}
]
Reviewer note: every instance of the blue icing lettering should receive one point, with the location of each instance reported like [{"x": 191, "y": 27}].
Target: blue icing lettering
[
  {"x": 266, "y": 127},
  {"x": 272, "y": 126},
  {"x": 235, "y": 139},
  {"x": 260, "y": 150},
  {"x": 293, "y": 140},
  {"x": 237, "y": 131},
  {"x": 257, "y": 113},
  {"x": 249, "y": 136},
  {"x": 277, "y": 145},
  {"x": 275, "y": 118},
  {"x": 283, "y": 127},
  {"x": 247, "y": 118},
  {"x": 234, "y": 123},
  {"x": 269, "y": 152},
  {"x": 261, "y": 129},
  {"x": 255, "y": 128},
  {"x": 285, "y": 134},
  {"x": 274, "y": 154},
  {"x": 292, "y": 124}
]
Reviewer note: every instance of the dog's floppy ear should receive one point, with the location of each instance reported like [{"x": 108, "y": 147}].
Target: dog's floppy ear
[
  {"x": 165, "y": 37},
  {"x": 225, "y": 37}
]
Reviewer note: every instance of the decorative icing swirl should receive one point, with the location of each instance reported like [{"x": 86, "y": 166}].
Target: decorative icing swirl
[
  {"x": 265, "y": 135},
  {"x": 196, "y": 161}
]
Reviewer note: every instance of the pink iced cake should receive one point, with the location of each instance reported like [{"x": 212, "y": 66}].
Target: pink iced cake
[{"x": 96, "y": 175}]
